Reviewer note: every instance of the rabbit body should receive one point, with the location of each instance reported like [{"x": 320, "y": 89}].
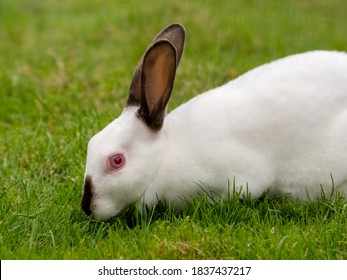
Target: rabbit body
[{"x": 280, "y": 128}]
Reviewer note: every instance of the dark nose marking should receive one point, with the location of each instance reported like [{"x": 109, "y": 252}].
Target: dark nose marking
[{"x": 87, "y": 195}]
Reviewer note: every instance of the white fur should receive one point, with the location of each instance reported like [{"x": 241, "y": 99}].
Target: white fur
[{"x": 281, "y": 128}]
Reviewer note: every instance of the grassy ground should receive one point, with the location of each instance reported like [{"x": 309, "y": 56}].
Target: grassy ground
[{"x": 65, "y": 68}]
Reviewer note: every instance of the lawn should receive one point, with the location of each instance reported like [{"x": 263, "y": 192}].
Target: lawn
[{"x": 65, "y": 70}]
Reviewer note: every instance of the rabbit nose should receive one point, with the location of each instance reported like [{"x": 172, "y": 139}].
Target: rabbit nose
[{"x": 87, "y": 195}]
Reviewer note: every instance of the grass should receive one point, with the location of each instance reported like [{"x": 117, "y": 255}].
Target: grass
[{"x": 65, "y": 68}]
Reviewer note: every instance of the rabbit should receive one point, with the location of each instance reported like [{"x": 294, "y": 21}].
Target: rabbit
[{"x": 280, "y": 128}]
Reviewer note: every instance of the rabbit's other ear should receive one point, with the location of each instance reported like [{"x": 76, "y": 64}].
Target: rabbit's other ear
[
  {"x": 157, "y": 79},
  {"x": 175, "y": 34}
]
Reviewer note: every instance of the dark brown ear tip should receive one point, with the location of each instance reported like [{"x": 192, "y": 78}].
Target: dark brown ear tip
[
  {"x": 178, "y": 26},
  {"x": 173, "y": 32},
  {"x": 177, "y": 29},
  {"x": 176, "y": 34}
]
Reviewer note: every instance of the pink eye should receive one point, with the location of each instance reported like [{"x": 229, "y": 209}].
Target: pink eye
[{"x": 116, "y": 162}]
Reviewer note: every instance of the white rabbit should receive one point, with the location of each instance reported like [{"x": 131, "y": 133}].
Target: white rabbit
[{"x": 280, "y": 128}]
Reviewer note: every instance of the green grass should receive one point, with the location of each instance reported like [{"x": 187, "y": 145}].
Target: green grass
[{"x": 65, "y": 69}]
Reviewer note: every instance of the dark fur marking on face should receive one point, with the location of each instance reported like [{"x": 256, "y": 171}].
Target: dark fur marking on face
[{"x": 87, "y": 195}]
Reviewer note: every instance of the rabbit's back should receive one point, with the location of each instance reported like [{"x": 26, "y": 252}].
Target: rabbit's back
[{"x": 283, "y": 125}]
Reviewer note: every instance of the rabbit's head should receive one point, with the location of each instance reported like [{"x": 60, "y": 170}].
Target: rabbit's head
[{"x": 123, "y": 158}]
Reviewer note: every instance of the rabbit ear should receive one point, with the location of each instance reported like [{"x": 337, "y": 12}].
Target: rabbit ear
[
  {"x": 175, "y": 34},
  {"x": 157, "y": 79}
]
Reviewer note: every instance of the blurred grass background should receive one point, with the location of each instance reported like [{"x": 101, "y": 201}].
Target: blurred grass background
[{"x": 65, "y": 69}]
